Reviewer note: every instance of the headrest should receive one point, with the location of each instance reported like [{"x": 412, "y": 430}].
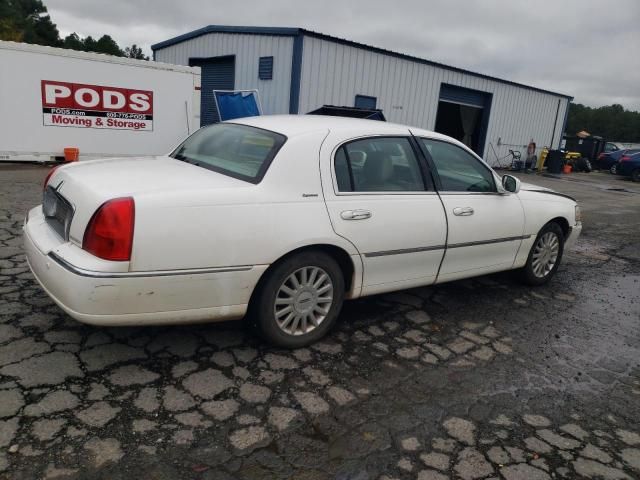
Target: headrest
[{"x": 378, "y": 168}]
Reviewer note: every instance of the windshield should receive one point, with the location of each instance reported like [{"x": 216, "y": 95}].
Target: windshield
[{"x": 236, "y": 150}]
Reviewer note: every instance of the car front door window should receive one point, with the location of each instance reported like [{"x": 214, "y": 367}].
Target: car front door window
[{"x": 459, "y": 171}]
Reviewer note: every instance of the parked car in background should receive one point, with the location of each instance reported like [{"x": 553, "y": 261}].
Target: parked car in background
[
  {"x": 610, "y": 147},
  {"x": 629, "y": 165},
  {"x": 609, "y": 160},
  {"x": 284, "y": 217},
  {"x": 615, "y": 146}
]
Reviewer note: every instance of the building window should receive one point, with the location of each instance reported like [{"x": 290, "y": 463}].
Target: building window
[
  {"x": 265, "y": 68},
  {"x": 364, "y": 101}
]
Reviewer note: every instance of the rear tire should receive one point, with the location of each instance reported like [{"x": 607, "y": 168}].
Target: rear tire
[
  {"x": 300, "y": 300},
  {"x": 614, "y": 169},
  {"x": 545, "y": 255},
  {"x": 635, "y": 175},
  {"x": 583, "y": 164}
]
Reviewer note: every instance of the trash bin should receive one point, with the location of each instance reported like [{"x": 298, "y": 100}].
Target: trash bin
[
  {"x": 555, "y": 161},
  {"x": 71, "y": 154}
]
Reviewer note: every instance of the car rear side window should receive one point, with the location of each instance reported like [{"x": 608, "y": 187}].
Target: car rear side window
[
  {"x": 458, "y": 170},
  {"x": 378, "y": 164},
  {"x": 239, "y": 151}
]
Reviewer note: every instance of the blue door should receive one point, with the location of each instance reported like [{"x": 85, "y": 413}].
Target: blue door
[{"x": 216, "y": 74}]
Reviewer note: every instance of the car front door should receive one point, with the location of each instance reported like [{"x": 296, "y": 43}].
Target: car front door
[
  {"x": 485, "y": 227},
  {"x": 380, "y": 198}
]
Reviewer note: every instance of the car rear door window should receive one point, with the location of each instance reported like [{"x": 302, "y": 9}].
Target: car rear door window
[
  {"x": 378, "y": 164},
  {"x": 458, "y": 170}
]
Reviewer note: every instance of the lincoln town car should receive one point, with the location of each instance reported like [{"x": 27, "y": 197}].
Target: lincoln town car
[{"x": 279, "y": 219}]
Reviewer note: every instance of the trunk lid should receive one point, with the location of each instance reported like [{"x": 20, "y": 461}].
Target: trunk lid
[{"x": 87, "y": 185}]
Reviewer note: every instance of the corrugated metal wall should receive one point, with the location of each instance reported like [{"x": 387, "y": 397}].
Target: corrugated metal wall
[
  {"x": 408, "y": 93},
  {"x": 248, "y": 49}
]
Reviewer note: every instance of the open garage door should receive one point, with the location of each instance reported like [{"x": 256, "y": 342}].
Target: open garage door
[
  {"x": 463, "y": 114},
  {"x": 217, "y": 73}
]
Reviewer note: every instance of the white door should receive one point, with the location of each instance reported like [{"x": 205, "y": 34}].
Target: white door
[
  {"x": 485, "y": 228},
  {"x": 379, "y": 197}
]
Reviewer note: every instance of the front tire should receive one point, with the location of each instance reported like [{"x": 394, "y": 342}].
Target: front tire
[
  {"x": 300, "y": 299},
  {"x": 545, "y": 255}
]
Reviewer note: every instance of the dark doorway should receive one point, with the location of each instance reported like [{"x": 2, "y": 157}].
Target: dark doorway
[
  {"x": 449, "y": 122},
  {"x": 217, "y": 73},
  {"x": 463, "y": 114}
]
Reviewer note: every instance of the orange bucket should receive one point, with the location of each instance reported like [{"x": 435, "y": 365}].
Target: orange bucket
[
  {"x": 71, "y": 154},
  {"x": 566, "y": 169}
]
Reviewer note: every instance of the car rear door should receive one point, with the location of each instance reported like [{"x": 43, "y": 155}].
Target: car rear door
[
  {"x": 380, "y": 198},
  {"x": 485, "y": 227}
]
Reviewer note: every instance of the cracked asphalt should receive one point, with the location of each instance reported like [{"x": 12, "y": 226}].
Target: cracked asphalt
[{"x": 482, "y": 378}]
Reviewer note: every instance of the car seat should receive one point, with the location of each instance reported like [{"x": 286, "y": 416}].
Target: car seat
[{"x": 378, "y": 169}]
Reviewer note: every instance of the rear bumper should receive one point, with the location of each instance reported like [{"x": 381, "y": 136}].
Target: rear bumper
[{"x": 138, "y": 298}]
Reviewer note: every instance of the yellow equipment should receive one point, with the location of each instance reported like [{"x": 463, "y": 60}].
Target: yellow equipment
[{"x": 569, "y": 156}]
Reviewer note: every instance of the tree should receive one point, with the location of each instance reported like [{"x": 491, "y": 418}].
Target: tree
[
  {"x": 73, "y": 42},
  {"x": 9, "y": 21},
  {"x": 135, "y": 52},
  {"x": 108, "y": 45},
  {"x": 42, "y": 31},
  {"x": 27, "y": 21},
  {"x": 89, "y": 44},
  {"x": 612, "y": 122}
]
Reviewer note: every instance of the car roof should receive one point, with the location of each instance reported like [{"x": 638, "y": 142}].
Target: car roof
[{"x": 293, "y": 125}]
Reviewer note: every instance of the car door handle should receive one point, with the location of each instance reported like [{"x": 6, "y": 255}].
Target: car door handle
[
  {"x": 463, "y": 211},
  {"x": 355, "y": 214}
]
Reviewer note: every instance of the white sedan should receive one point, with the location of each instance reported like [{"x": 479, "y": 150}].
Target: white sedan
[{"x": 282, "y": 218}]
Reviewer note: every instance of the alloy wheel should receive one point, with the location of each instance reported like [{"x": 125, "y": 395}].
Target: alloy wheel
[
  {"x": 545, "y": 254},
  {"x": 303, "y": 300}
]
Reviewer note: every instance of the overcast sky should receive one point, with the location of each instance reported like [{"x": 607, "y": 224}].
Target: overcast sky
[{"x": 587, "y": 49}]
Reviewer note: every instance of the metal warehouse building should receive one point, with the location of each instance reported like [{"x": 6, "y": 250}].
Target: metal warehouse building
[{"x": 297, "y": 71}]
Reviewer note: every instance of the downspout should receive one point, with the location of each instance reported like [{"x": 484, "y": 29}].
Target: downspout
[
  {"x": 566, "y": 119},
  {"x": 296, "y": 72},
  {"x": 555, "y": 122}
]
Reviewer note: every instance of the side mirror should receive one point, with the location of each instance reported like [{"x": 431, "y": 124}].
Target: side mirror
[{"x": 511, "y": 183}]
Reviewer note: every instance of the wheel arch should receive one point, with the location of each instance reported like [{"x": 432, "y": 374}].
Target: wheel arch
[
  {"x": 339, "y": 254},
  {"x": 563, "y": 223}
]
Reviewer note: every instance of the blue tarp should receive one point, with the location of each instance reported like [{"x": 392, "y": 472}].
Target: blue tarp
[{"x": 236, "y": 105}]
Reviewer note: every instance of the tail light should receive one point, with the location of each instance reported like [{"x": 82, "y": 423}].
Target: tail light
[
  {"x": 109, "y": 234},
  {"x": 625, "y": 158},
  {"x": 601, "y": 156},
  {"x": 48, "y": 177}
]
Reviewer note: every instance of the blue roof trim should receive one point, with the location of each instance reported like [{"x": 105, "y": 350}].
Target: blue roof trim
[
  {"x": 296, "y": 74},
  {"x": 278, "y": 31},
  {"x": 294, "y": 32}
]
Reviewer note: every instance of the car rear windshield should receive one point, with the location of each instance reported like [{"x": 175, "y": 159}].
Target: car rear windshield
[{"x": 239, "y": 151}]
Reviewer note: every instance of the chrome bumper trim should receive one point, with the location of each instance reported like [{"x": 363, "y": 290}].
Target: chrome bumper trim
[
  {"x": 488, "y": 242},
  {"x": 445, "y": 247},
  {"x": 160, "y": 273}
]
